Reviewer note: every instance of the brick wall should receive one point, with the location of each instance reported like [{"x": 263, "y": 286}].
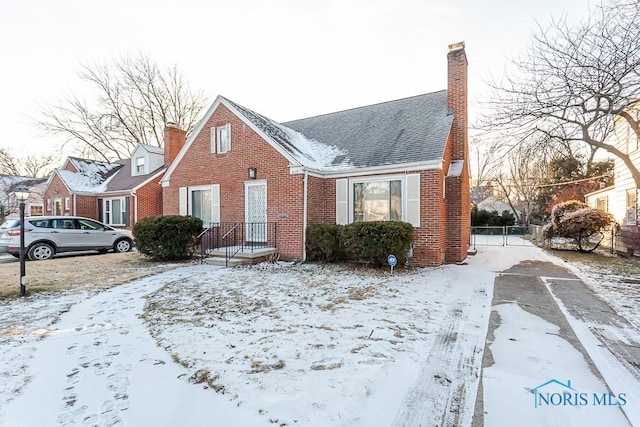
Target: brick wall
[
  {"x": 148, "y": 199},
  {"x": 87, "y": 206},
  {"x": 284, "y": 191}
]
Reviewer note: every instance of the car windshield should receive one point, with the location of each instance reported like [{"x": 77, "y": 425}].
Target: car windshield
[{"x": 10, "y": 223}]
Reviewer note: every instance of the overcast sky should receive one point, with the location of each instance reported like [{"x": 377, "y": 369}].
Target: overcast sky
[{"x": 285, "y": 59}]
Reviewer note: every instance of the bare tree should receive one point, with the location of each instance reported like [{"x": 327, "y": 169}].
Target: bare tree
[
  {"x": 574, "y": 80},
  {"x": 485, "y": 158},
  {"x": 15, "y": 171},
  {"x": 136, "y": 99},
  {"x": 517, "y": 181},
  {"x": 29, "y": 166}
]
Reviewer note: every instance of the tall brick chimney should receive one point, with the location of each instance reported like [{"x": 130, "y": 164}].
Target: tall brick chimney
[
  {"x": 457, "y": 182},
  {"x": 457, "y": 98},
  {"x": 174, "y": 139}
]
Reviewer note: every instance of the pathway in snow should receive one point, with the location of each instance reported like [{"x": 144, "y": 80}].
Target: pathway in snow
[
  {"x": 445, "y": 389},
  {"x": 100, "y": 367}
]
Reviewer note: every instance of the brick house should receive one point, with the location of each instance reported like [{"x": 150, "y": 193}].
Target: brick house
[
  {"x": 9, "y": 204},
  {"x": 118, "y": 193},
  {"x": 400, "y": 160}
]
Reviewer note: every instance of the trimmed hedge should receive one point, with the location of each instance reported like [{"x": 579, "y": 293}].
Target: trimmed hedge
[
  {"x": 169, "y": 237},
  {"x": 323, "y": 242},
  {"x": 370, "y": 242}
]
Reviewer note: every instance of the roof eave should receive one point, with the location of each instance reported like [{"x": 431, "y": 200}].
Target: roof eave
[{"x": 370, "y": 170}]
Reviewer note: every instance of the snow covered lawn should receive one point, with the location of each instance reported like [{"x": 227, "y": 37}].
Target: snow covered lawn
[
  {"x": 318, "y": 345},
  {"x": 267, "y": 345}
]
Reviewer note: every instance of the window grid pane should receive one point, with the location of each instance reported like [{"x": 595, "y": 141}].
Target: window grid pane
[{"x": 377, "y": 201}]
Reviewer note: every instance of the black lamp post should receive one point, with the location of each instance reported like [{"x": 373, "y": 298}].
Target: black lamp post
[{"x": 22, "y": 194}]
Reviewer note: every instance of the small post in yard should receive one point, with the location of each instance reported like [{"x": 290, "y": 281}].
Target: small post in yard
[
  {"x": 392, "y": 260},
  {"x": 22, "y": 194}
]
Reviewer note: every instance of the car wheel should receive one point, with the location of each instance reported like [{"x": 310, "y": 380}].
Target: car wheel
[
  {"x": 122, "y": 245},
  {"x": 41, "y": 251}
]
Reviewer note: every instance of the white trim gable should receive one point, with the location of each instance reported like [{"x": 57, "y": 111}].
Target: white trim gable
[
  {"x": 220, "y": 100},
  {"x": 152, "y": 160},
  {"x": 50, "y": 180}
]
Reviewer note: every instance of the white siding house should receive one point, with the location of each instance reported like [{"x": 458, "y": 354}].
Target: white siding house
[{"x": 621, "y": 199}]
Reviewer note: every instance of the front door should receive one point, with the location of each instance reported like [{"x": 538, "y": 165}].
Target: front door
[
  {"x": 255, "y": 212},
  {"x": 57, "y": 207}
]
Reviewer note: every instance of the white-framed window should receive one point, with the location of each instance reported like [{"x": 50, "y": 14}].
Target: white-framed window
[
  {"x": 212, "y": 136},
  {"x": 114, "y": 211},
  {"x": 377, "y": 200},
  {"x": 381, "y": 198},
  {"x": 602, "y": 203},
  {"x": 48, "y": 205},
  {"x": 223, "y": 139},
  {"x": 632, "y": 206},
  {"x": 202, "y": 202},
  {"x": 139, "y": 166},
  {"x": 67, "y": 204}
]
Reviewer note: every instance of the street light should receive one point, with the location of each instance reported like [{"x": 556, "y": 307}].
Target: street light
[{"x": 22, "y": 194}]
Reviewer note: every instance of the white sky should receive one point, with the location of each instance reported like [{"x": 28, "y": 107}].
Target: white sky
[{"x": 285, "y": 59}]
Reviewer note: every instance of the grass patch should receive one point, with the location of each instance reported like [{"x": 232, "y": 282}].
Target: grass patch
[{"x": 602, "y": 261}]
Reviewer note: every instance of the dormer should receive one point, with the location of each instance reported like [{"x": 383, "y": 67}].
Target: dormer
[{"x": 146, "y": 159}]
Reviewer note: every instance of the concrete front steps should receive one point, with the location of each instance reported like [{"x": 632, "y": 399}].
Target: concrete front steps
[{"x": 245, "y": 256}]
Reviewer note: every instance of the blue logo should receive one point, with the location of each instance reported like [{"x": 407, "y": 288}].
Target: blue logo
[
  {"x": 392, "y": 260},
  {"x": 557, "y": 393}
]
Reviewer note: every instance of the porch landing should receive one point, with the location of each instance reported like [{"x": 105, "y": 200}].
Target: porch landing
[{"x": 245, "y": 255}]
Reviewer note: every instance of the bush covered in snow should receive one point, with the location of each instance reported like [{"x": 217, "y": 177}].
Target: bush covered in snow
[
  {"x": 576, "y": 220},
  {"x": 372, "y": 242},
  {"x": 167, "y": 237}
]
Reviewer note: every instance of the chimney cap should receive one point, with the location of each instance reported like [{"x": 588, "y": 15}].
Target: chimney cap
[
  {"x": 456, "y": 46},
  {"x": 172, "y": 125}
]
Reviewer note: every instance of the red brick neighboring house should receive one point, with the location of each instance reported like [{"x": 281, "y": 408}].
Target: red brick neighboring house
[
  {"x": 399, "y": 160},
  {"x": 118, "y": 193}
]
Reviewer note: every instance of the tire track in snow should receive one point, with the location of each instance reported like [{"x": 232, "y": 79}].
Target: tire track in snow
[{"x": 442, "y": 396}]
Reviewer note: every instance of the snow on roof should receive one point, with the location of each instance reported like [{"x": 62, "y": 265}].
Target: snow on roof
[
  {"x": 152, "y": 149},
  {"x": 307, "y": 152},
  {"x": 92, "y": 176}
]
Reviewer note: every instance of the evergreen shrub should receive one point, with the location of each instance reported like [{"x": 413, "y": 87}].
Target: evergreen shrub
[
  {"x": 168, "y": 237},
  {"x": 323, "y": 242},
  {"x": 372, "y": 242}
]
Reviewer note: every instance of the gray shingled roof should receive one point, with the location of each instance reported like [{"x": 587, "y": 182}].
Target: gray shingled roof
[
  {"x": 278, "y": 133},
  {"x": 124, "y": 181},
  {"x": 402, "y": 131}
]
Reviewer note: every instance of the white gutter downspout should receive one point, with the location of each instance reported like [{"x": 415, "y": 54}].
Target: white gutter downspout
[
  {"x": 135, "y": 207},
  {"x": 304, "y": 217}
]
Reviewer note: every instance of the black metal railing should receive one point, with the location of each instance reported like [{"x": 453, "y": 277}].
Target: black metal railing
[{"x": 236, "y": 237}]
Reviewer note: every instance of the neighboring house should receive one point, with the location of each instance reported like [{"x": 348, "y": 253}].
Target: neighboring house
[
  {"x": 492, "y": 203},
  {"x": 118, "y": 193},
  {"x": 621, "y": 199},
  {"x": 9, "y": 205},
  {"x": 399, "y": 160},
  {"x": 481, "y": 192}
]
